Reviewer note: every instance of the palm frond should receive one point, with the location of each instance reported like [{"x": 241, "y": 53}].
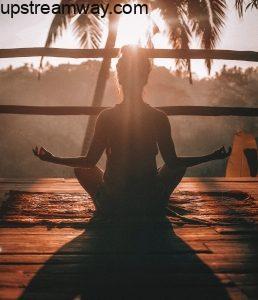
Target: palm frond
[
  {"x": 240, "y": 6},
  {"x": 185, "y": 42},
  {"x": 89, "y": 30},
  {"x": 58, "y": 25},
  {"x": 207, "y": 19},
  {"x": 87, "y": 27},
  {"x": 179, "y": 33},
  {"x": 151, "y": 32}
]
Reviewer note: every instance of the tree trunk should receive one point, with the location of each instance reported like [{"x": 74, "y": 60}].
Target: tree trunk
[{"x": 101, "y": 81}]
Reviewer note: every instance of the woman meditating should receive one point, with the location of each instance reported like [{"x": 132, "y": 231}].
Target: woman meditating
[{"x": 131, "y": 133}]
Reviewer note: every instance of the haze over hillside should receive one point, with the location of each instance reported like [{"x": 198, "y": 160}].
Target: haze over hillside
[{"x": 74, "y": 85}]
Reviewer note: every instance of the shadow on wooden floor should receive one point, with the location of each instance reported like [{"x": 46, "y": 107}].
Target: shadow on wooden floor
[{"x": 123, "y": 261}]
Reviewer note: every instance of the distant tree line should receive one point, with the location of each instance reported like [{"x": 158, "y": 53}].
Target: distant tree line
[{"x": 69, "y": 84}]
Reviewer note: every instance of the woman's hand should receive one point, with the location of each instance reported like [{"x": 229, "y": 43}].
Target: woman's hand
[
  {"x": 43, "y": 154},
  {"x": 221, "y": 153}
]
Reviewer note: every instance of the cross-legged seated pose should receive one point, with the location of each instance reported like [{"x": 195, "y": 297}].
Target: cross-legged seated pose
[{"x": 131, "y": 133}]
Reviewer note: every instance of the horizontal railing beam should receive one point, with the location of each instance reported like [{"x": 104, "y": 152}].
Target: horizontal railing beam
[
  {"x": 152, "y": 53},
  {"x": 89, "y": 110}
]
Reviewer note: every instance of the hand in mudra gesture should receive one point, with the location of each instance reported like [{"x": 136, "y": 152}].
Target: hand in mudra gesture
[
  {"x": 222, "y": 153},
  {"x": 42, "y": 154}
]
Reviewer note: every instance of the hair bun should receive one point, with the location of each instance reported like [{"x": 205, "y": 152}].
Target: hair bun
[{"x": 133, "y": 62}]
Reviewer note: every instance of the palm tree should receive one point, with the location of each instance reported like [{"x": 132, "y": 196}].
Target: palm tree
[
  {"x": 240, "y": 4},
  {"x": 184, "y": 19},
  {"x": 102, "y": 79}
]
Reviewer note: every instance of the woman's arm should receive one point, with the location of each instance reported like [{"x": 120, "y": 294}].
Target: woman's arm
[
  {"x": 221, "y": 153},
  {"x": 168, "y": 153},
  {"x": 74, "y": 162},
  {"x": 97, "y": 148}
]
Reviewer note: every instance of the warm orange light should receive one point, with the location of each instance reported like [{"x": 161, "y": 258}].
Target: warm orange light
[{"x": 133, "y": 29}]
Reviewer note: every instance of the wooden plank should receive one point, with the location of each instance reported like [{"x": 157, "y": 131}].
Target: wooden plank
[
  {"x": 77, "y": 188},
  {"x": 206, "y": 258},
  {"x": 91, "y": 245},
  {"x": 73, "y": 187},
  {"x": 21, "y": 279},
  {"x": 249, "y": 247},
  {"x": 11, "y": 293},
  {"x": 207, "y": 293},
  {"x": 240, "y": 257},
  {"x": 227, "y": 230},
  {"x": 30, "y": 180},
  {"x": 63, "y": 238},
  {"x": 197, "y": 259},
  {"x": 185, "y": 179},
  {"x": 63, "y": 235},
  {"x": 186, "y": 182},
  {"x": 133, "y": 266},
  {"x": 220, "y": 179},
  {"x": 41, "y": 230},
  {"x": 90, "y": 110},
  {"x": 152, "y": 53}
]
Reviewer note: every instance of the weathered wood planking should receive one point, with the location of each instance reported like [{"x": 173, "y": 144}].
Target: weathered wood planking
[
  {"x": 188, "y": 184},
  {"x": 213, "y": 262}
]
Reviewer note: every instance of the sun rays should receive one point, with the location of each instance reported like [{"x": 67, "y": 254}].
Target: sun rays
[{"x": 134, "y": 29}]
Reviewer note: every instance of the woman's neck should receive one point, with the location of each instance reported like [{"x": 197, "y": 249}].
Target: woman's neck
[{"x": 133, "y": 98}]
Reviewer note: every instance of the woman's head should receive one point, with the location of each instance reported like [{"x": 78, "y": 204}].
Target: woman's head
[{"x": 133, "y": 69}]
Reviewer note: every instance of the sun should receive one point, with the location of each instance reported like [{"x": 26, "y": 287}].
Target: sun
[
  {"x": 133, "y": 30},
  {"x": 138, "y": 30}
]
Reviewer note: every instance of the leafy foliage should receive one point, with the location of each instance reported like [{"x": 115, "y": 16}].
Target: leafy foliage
[
  {"x": 240, "y": 6},
  {"x": 184, "y": 18}
]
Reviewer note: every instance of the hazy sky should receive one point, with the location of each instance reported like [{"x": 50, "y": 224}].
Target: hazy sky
[{"x": 31, "y": 31}]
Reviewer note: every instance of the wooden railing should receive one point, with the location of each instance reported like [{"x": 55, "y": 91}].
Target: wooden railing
[
  {"x": 89, "y": 110},
  {"x": 152, "y": 53}
]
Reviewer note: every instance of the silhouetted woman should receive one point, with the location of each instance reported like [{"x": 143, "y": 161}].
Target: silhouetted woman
[{"x": 131, "y": 133}]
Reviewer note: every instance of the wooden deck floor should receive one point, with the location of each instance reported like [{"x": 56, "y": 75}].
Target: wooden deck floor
[{"x": 143, "y": 261}]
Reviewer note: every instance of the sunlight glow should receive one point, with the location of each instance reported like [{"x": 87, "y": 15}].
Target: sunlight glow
[
  {"x": 137, "y": 29},
  {"x": 133, "y": 29}
]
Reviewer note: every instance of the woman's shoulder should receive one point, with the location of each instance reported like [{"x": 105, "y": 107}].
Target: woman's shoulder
[
  {"x": 157, "y": 113},
  {"x": 105, "y": 113}
]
